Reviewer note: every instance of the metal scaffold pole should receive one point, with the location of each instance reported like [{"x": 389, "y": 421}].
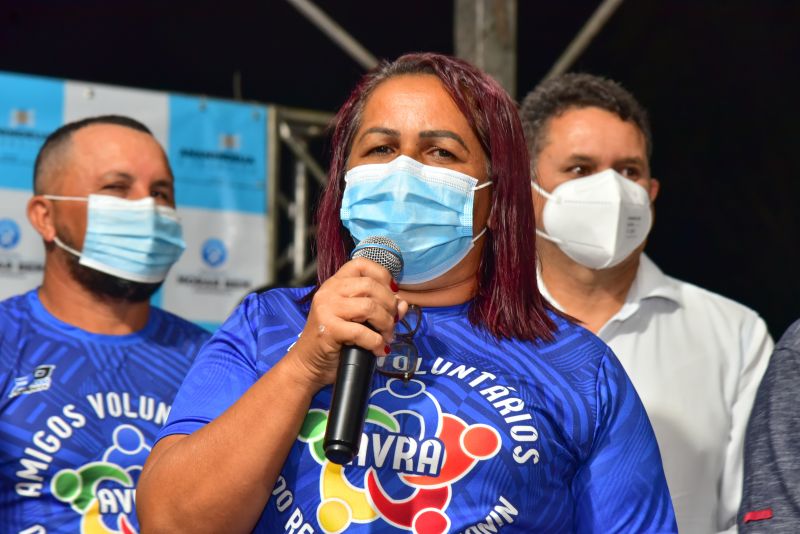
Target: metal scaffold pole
[
  {"x": 584, "y": 37},
  {"x": 338, "y": 35},
  {"x": 486, "y": 36}
]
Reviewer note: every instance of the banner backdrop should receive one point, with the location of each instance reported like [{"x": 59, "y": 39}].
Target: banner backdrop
[
  {"x": 218, "y": 153},
  {"x": 30, "y": 108}
]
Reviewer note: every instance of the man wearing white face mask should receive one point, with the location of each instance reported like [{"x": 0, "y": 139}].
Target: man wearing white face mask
[
  {"x": 695, "y": 358},
  {"x": 88, "y": 368}
]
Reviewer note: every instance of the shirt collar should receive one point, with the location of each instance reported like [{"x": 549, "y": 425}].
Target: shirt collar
[{"x": 650, "y": 282}]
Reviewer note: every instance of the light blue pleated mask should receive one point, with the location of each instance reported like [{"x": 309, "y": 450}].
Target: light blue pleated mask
[
  {"x": 136, "y": 240},
  {"x": 426, "y": 210}
]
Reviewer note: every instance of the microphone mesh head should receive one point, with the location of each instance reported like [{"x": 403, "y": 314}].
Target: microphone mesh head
[{"x": 382, "y": 251}]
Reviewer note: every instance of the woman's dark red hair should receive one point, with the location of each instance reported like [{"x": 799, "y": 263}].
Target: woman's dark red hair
[{"x": 507, "y": 302}]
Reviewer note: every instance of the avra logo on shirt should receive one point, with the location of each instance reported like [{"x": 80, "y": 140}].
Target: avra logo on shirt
[
  {"x": 103, "y": 492},
  {"x": 435, "y": 451}
]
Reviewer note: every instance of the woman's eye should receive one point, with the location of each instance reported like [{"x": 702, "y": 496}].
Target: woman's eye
[
  {"x": 441, "y": 153},
  {"x": 380, "y": 150}
]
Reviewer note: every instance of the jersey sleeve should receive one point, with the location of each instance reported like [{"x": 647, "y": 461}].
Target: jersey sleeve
[
  {"x": 223, "y": 370},
  {"x": 771, "y": 499},
  {"x": 621, "y": 486}
]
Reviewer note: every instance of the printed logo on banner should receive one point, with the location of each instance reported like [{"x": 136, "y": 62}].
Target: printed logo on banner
[
  {"x": 9, "y": 234},
  {"x": 230, "y": 142},
  {"x": 23, "y": 117},
  {"x": 224, "y": 260},
  {"x": 214, "y": 252},
  {"x": 218, "y": 154}
]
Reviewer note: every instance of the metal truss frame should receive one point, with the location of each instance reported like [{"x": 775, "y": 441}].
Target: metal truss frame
[
  {"x": 294, "y": 175},
  {"x": 485, "y": 34}
]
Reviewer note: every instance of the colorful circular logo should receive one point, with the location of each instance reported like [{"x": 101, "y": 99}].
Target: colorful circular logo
[
  {"x": 214, "y": 252},
  {"x": 430, "y": 450},
  {"x": 9, "y": 234}
]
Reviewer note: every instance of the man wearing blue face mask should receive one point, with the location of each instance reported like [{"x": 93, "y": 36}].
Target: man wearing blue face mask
[
  {"x": 88, "y": 368},
  {"x": 695, "y": 358}
]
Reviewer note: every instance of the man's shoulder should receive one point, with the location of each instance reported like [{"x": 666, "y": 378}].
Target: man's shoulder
[
  {"x": 261, "y": 311},
  {"x": 187, "y": 328},
  {"x": 294, "y": 295},
  {"x": 570, "y": 338},
  {"x": 15, "y": 312},
  {"x": 790, "y": 340},
  {"x": 281, "y": 300},
  {"x": 15, "y": 302},
  {"x": 780, "y": 381},
  {"x": 699, "y": 300}
]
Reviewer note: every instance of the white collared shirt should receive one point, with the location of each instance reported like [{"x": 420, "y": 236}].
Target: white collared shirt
[{"x": 696, "y": 359}]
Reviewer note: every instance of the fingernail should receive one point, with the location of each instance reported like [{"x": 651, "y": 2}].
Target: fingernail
[
  {"x": 394, "y": 286},
  {"x": 387, "y": 349}
]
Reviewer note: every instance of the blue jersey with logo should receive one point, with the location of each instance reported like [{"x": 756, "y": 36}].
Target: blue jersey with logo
[
  {"x": 488, "y": 436},
  {"x": 78, "y": 415}
]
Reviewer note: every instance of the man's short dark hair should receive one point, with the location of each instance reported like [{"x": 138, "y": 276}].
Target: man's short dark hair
[
  {"x": 553, "y": 97},
  {"x": 59, "y": 138}
]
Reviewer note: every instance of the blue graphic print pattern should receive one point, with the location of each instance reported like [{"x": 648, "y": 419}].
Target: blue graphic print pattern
[{"x": 79, "y": 413}]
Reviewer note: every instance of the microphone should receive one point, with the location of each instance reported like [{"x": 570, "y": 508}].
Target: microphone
[{"x": 356, "y": 367}]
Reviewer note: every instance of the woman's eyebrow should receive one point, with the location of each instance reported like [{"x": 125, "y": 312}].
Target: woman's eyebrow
[
  {"x": 380, "y": 130},
  {"x": 443, "y": 133}
]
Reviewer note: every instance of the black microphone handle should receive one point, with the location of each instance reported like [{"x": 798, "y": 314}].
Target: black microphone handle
[{"x": 349, "y": 404}]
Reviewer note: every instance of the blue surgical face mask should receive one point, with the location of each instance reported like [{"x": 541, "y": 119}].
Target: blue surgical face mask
[
  {"x": 426, "y": 210},
  {"x": 136, "y": 240}
]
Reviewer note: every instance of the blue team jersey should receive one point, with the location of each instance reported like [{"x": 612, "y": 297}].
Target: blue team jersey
[
  {"x": 78, "y": 415},
  {"x": 488, "y": 436}
]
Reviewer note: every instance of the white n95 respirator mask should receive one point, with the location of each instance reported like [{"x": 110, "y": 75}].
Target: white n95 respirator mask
[{"x": 597, "y": 220}]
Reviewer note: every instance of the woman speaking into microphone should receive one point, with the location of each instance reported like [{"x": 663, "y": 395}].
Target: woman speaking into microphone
[{"x": 488, "y": 410}]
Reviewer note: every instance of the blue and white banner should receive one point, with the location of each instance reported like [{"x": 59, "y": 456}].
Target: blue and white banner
[
  {"x": 30, "y": 108},
  {"x": 218, "y": 154},
  {"x": 217, "y": 150},
  {"x": 151, "y": 108}
]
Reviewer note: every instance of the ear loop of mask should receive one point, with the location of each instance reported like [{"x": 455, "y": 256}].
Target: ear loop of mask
[
  {"x": 536, "y": 187},
  {"x": 66, "y": 247},
  {"x": 476, "y": 188},
  {"x": 474, "y": 239},
  {"x": 56, "y": 240},
  {"x": 59, "y": 197}
]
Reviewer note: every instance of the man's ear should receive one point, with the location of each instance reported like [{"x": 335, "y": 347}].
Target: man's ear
[
  {"x": 40, "y": 215},
  {"x": 655, "y": 187}
]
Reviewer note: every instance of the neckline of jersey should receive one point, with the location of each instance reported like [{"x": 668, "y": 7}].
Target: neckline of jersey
[{"x": 41, "y": 313}]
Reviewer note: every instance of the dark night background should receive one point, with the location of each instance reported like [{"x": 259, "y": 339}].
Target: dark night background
[{"x": 718, "y": 77}]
